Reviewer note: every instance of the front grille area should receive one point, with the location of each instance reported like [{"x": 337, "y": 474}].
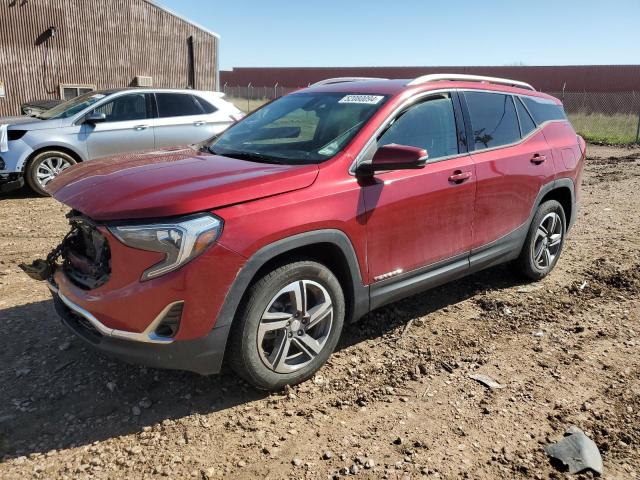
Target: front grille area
[{"x": 86, "y": 255}]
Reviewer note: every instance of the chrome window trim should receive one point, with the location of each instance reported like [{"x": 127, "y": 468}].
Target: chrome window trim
[
  {"x": 408, "y": 102},
  {"x": 522, "y": 140},
  {"x": 148, "y": 336}
]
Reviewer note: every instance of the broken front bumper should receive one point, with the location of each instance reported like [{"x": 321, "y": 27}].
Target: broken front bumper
[
  {"x": 203, "y": 355},
  {"x": 10, "y": 182}
]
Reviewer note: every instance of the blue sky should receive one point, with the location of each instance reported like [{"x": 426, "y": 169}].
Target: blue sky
[{"x": 380, "y": 33}]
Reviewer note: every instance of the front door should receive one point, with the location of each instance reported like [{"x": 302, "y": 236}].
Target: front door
[
  {"x": 127, "y": 127},
  {"x": 417, "y": 218}
]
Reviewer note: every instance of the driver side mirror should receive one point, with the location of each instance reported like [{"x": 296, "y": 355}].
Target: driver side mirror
[
  {"x": 95, "y": 117},
  {"x": 394, "y": 157}
]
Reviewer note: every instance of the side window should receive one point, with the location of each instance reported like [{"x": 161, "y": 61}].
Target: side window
[
  {"x": 527, "y": 124},
  {"x": 493, "y": 119},
  {"x": 132, "y": 106},
  {"x": 544, "y": 110},
  {"x": 177, "y": 105},
  {"x": 430, "y": 125},
  {"x": 205, "y": 106}
]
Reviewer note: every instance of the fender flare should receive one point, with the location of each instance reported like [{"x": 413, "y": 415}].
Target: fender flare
[
  {"x": 52, "y": 146},
  {"x": 360, "y": 304},
  {"x": 553, "y": 185}
]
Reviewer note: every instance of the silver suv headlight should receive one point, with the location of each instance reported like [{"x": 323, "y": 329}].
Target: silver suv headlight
[{"x": 180, "y": 241}]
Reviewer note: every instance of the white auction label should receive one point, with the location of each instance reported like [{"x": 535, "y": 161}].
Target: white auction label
[{"x": 366, "y": 99}]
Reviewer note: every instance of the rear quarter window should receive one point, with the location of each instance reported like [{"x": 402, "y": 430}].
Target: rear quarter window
[
  {"x": 544, "y": 110},
  {"x": 527, "y": 125},
  {"x": 206, "y": 106}
]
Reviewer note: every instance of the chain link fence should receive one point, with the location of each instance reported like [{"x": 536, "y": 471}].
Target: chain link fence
[
  {"x": 247, "y": 98},
  {"x": 607, "y": 117}
]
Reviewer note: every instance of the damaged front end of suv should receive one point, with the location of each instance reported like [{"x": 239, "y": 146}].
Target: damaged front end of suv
[{"x": 83, "y": 255}]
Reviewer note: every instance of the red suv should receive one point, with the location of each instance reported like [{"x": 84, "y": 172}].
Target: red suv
[{"x": 256, "y": 246}]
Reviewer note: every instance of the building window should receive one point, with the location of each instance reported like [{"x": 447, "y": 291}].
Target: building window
[{"x": 67, "y": 92}]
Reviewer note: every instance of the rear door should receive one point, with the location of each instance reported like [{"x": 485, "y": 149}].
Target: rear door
[
  {"x": 127, "y": 127},
  {"x": 512, "y": 161},
  {"x": 417, "y": 218},
  {"x": 182, "y": 119}
]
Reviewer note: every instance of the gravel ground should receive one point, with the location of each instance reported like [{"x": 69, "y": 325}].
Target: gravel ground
[{"x": 395, "y": 401}]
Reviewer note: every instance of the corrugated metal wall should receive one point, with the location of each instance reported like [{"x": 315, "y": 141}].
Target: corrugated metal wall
[
  {"x": 580, "y": 78},
  {"x": 105, "y": 43}
]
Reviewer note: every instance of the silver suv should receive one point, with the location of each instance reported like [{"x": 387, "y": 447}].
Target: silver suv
[{"x": 103, "y": 123}]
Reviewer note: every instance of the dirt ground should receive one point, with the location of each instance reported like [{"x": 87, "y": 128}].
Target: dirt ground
[{"x": 395, "y": 401}]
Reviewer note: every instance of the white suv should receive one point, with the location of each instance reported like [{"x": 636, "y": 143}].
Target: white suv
[{"x": 104, "y": 123}]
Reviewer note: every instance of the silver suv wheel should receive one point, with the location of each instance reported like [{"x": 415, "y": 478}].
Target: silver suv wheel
[
  {"x": 50, "y": 168},
  {"x": 548, "y": 240},
  {"x": 295, "y": 326},
  {"x": 44, "y": 167},
  {"x": 543, "y": 243}
]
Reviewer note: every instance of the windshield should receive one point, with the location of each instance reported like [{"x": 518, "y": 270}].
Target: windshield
[
  {"x": 73, "y": 106},
  {"x": 299, "y": 128}
]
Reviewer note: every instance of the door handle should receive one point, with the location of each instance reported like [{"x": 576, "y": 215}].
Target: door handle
[
  {"x": 138, "y": 128},
  {"x": 459, "y": 176},
  {"x": 537, "y": 159},
  {"x": 199, "y": 123}
]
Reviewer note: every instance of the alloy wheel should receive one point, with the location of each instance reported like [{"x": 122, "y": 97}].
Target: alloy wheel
[
  {"x": 295, "y": 326},
  {"x": 49, "y": 168},
  {"x": 548, "y": 241}
]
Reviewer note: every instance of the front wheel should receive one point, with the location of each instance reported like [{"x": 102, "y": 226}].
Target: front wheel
[
  {"x": 544, "y": 241},
  {"x": 44, "y": 167},
  {"x": 289, "y": 325}
]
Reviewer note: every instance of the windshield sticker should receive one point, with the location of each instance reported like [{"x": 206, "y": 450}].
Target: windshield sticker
[{"x": 364, "y": 99}]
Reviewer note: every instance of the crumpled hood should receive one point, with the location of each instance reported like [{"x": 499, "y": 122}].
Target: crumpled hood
[{"x": 171, "y": 182}]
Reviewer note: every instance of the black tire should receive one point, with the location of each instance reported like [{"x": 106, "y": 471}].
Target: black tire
[
  {"x": 246, "y": 354},
  {"x": 40, "y": 160},
  {"x": 533, "y": 263}
]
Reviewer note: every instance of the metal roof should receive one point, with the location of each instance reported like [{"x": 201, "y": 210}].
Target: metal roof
[{"x": 182, "y": 17}]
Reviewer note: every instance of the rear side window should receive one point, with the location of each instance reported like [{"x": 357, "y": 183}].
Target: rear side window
[
  {"x": 544, "y": 110},
  {"x": 205, "y": 106},
  {"x": 177, "y": 105},
  {"x": 430, "y": 125},
  {"x": 527, "y": 124},
  {"x": 493, "y": 119}
]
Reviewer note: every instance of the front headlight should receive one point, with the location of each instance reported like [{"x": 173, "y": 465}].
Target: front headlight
[
  {"x": 180, "y": 241},
  {"x": 15, "y": 134}
]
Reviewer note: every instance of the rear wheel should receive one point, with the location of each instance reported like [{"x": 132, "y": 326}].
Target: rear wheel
[
  {"x": 44, "y": 167},
  {"x": 544, "y": 241},
  {"x": 289, "y": 326}
]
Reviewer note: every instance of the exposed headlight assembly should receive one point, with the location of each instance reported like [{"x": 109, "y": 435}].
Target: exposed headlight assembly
[
  {"x": 15, "y": 134},
  {"x": 180, "y": 241}
]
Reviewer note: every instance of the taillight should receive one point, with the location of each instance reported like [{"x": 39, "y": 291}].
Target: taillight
[{"x": 582, "y": 145}]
